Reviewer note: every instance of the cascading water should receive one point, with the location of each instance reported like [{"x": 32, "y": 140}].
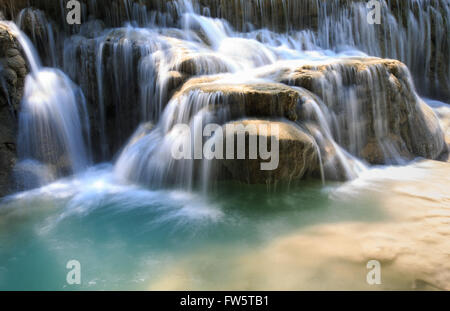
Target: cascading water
[
  {"x": 40, "y": 32},
  {"x": 143, "y": 67},
  {"x": 408, "y": 28},
  {"x": 211, "y": 47},
  {"x": 53, "y": 121},
  {"x": 51, "y": 131}
]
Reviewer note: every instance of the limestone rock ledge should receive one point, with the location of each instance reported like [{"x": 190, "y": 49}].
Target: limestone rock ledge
[{"x": 378, "y": 114}]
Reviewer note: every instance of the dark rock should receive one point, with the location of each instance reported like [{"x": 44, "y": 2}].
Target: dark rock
[{"x": 13, "y": 70}]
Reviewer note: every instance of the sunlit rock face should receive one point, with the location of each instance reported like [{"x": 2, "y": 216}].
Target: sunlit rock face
[
  {"x": 13, "y": 70},
  {"x": 270, "y": 100},
  {"x": 443, "y": 112},
  {"x": 216, "y": 100},
  {"x": 297, "y": 153}
]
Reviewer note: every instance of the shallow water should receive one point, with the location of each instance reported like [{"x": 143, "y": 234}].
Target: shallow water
[{"x": 131, "y": 238}]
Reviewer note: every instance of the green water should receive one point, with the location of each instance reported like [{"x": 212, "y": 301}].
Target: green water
[{"x": 125, "y": 237}]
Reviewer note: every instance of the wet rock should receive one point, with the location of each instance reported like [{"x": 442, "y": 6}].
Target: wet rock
[
  {"x": 10, "y": 76},
  {"x": 30, "y": 174},
  {"x": 7, "y": 153},
  {"x": 202, "y": 64},
  {"x": 250, "y": 100},
  {"x": 175, "y": 80},
  {"x": 12, "y": 52},
  {"x": 17, "y": 62},
  {"x": 92, "y": 29},
  {"x": 295, "y": 157},
  {"x": 378, "y": 115},
  {"x": 42, "y": 33},
  {"x": 13, "y": 70}
]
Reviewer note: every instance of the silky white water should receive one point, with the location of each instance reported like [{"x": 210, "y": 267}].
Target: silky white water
[{"x": 53, "y": 121}]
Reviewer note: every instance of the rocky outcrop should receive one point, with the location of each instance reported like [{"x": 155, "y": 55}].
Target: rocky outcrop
[
  {"x": 377, "y": 112},
  {"x": 270, "y": 100},
  {"x": 367, "y": 106},
  {"x": 13, "y": 70},
  {"x": 294, "y": 156}
]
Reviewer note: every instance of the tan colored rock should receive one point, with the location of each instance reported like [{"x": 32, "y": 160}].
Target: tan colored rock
[
  {"x": 201, "y": 64},
  {"x": 17, "y": 62},
  {"x": 295, "y": 158},
  {"x": 269, "y": 100}
]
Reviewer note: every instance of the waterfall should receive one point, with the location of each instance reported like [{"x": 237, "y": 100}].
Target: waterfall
[
  {"x": 147, "y": 53},
  {"x": 336, "y": 116},
  {"x": 53, "y": 120},
  {"x": 148, "y": 158},
  {"x": 40, "y": 31},
  {"x": 407, "y": 32},
  {"x": 193, "y": 62}
]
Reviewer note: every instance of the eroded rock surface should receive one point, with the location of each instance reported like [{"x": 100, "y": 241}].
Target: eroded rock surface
[
  {"x": 294, "y": 157},
  {"x": 13, "y": 70}
]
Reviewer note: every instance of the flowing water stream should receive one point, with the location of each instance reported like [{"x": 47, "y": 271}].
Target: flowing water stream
[{"x": 97, "y": 181}]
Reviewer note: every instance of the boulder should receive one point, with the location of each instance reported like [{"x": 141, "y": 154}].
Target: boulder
[{"x": 295, "y": 157}]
